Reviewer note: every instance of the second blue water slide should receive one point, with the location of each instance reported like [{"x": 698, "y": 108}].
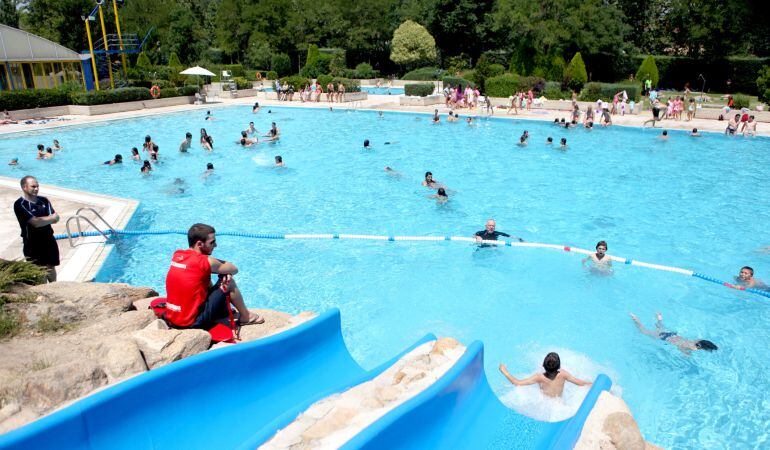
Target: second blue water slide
[
  {"x": 460, "y": 411},
  {"x": 229, "y": 398}
]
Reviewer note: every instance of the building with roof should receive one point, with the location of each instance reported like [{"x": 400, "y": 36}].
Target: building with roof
[{"x": 32, "y": 62}]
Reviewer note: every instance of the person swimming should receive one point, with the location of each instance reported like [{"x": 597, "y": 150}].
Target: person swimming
[
  {"x": 209, "y": 171},
  {"x": 563, "y": 142},
  {"x": 430, "y": 182},
  {"x": 686, "y": 346},
  {"x": 746, "y": 278},
  {"x": 599, "y": 260},
  {"x": 279, "y": 161},
  {"x": 366, "y": 145},
  {"x": 436, "y": 118},
  {"x": 549, "y": 141},
  {"x": 255, "y": 108},
  {"x": 13, "y": 162},
  {"x": 209, "y": 116},
  {"x": 146, "y": 167},
  {"x": 440, "y": 196},
  {"x": 551, "y": 381},
  {"x": 392, "y": 172},
  {"x": 695, "y": 133},
  {"x": 135, "y": 154},
  {"x": 117, "y": 160},
  {"x": 664, "y": 135}
]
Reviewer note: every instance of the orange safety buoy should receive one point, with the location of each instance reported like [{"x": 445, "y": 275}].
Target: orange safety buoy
[{"x": 155, "y": 91}]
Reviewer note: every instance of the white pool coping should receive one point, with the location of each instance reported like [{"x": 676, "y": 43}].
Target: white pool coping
[{"x": 84, "y": 261}]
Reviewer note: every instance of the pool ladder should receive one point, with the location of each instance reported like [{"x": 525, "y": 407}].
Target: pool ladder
[{"x": 78, "y": 217}]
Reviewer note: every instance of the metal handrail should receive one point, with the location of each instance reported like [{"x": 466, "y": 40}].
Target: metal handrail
[
  {"x": 87, "y": 208},
  {"x": 80, "y": 230}
]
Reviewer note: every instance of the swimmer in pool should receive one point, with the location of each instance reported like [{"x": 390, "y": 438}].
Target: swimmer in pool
[
  {"x": 489, "y": 233},
  {"x": 366, "y": 145},
  {"x": 14, "y": 162},
  {"x": 279, "y": 161},
  {"x": 599, "y": 260},
  {"x": 746, "y": 278},
  {"x": 274, "y": 134},
  {"x": 209, "y": 116},
  {"x": 695, "y": 133},
  {"x": 440, "y": 196},
  {"x": 685, "y": 346},
  {"x": 392, "y": 172},
  {"x": 58, "y": 147},
  {"x": 549, "y": 141},
  {"x": 522, "y": 141},
  {"x": 185, "y": 145},
  {"x": 117, "y": 160},
  {"x": 135, "y": 154},
  {"x": 436, "y": 118},
  {"x": 469, "y": 120},
  {"x": 379, "y": 114},
  {"x": 663, "y": 135},
  {"x": 563, "y": 142},
  {"x": 551, "y": 381},
  {"x": 146, "y": 167},
  {"x": 255, "y": 108},
  {"x": 252, "y": 130},
  {"x": 429, "y": 182},
  {"x": 209, "y": 171}
]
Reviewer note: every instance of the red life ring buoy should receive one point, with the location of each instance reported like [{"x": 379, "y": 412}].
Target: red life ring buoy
[
  {"x": 259, "y": 76},
  {"x": 155, "y": 91}
]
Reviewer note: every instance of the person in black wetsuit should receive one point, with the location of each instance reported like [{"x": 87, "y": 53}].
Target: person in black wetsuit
[
  {"x": 686, "y": 346},
  {"x": 36, "y": 215},
  {"x": 489, "y": 233}
]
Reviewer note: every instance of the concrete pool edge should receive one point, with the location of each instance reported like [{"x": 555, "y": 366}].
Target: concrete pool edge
[{"x": 84, "y": 261}]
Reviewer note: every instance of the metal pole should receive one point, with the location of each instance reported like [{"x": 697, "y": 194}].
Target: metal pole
[
  {"x": 106, "y": 47},
  {"x": 120, "y": 38},
  {"x": 93, "y": 57}
]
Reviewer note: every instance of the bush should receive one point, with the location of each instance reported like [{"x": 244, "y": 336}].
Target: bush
[
  {"x": 143, "y": 61},
  {"x": 14, "y": 272},
  {"x": 296, "y": 81},
  {"x": 424, "y": 74},
  {"x": 763, "y": 84},
  {"x": 419, "y": 89},
  {"x": 741, "y": 101},
  {"x": 496, "y": 70},
  {"x": 606, "y": 91},
  {"x": 316, "y": 66},
  {"x": 648, "y": 70},
  {"x": 111, "y": 96},
  {"x": 553, "y": 91},
  {"x": 454, "y": 81},
  {"x": 503, "y": 85},
  {"x": 533, "y": 83},
  {"x": 365, "y": 70},
  {"x": 281, "y": 64},
  {"x": 242, "y": 83},
  {"x": 350, "y": 85},
  {"x": 27, "y": 99},
  {"x": 169, "y": 92},
  {"x": 323, "y": 80},
  {"x": 575, "y": 75},
  {"x": 272, "y": 75},
  {"x": 481, "y": 72},
  {"x": 188, "y": 90}
]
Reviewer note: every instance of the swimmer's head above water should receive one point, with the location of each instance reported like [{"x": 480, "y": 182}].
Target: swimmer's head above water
[
  {"x": 704, "y": 344},
  {"x": 551, "y": 364}
]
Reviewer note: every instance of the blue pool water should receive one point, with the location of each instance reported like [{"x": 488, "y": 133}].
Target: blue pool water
[{"x": 693, "y": 203}]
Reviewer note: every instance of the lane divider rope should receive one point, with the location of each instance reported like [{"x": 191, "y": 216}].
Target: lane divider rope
[{"x": 369, "y": 237}]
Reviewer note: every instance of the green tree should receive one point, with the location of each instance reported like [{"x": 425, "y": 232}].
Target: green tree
[
  {"x": 461, "y": 26},
  {"x": 59, "y": 21},
  {"x": 575, "y": 75},
  {"x": 763, "y": 84},
  {"x": 232, "y": 32},
  {"x": 143, "y": 61},
  {"x": 173, "y": 60},
  {"x": 280, "y": 63},
  {"x": 412, "y": 45},
  {"x": 312, "y": 54},
  {"x": 9, "y": 13},
  {"x": 648, "y": 70},
  {"x": 258, "y": 53},
  {"x": 482, "y": 71}
]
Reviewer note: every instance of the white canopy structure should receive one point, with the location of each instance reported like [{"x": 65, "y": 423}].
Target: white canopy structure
[{"x": 197, "y": 70}]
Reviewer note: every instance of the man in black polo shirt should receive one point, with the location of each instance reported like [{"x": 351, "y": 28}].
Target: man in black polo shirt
[
  {"x": 489, "y": 233},
  {"x": 35, "y": 215}
]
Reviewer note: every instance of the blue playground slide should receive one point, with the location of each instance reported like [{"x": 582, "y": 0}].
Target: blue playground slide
[
  {"x": 238, "y": 397},
  {"x": 224, "y": 399},
  {"x": 460, "y": 411}
]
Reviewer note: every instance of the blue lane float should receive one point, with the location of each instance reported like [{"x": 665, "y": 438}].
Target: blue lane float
[{"x": 339, "y": 236}]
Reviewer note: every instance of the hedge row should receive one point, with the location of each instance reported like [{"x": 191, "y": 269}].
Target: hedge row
[
  {"x": 606, "y": 91},
  {"x": 508, "y": 84},
  {"x": 454, "y": 81},
  {"x": 424, "y": 74},
  {"x": 41, "y": 98},
  {"x": 742, "y": 72},
  {"x": 419, "y": 89}
]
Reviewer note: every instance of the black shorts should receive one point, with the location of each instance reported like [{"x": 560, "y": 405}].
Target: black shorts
[
  {"x": 41, "y": 250},
  {"x": 214, "y": 310}
]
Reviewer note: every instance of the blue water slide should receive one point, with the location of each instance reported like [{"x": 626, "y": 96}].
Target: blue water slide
[
  {"x": 460, "y": 411},
  {"x": 233, "y": 397}
]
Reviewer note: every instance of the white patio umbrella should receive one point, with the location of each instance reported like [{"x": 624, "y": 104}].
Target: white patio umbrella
[{"x": 197, "y": 70}]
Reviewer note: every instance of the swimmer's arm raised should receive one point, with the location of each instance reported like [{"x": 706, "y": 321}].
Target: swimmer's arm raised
[
  {"x": 222, "y": 267},
  {"x": 577, "y": 381},
  {"x": 515, "y": 381}
]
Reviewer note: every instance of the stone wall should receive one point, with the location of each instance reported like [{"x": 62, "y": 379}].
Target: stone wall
[{"x": 406, "y": 100}]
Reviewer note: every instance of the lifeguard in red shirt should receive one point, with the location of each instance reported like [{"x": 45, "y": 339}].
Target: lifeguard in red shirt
[{"x": 191, "y": 300}]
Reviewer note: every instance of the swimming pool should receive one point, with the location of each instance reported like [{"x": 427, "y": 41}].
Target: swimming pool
[{"x": 693, "y": 203}]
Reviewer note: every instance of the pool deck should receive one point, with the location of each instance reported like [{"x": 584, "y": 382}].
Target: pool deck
[
  {"x": 79, "y": 263},
  {"x": 374, "y": 102}
]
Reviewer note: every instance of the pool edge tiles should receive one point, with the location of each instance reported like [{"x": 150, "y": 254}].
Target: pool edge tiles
[{"x": 84, "y": 261}]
